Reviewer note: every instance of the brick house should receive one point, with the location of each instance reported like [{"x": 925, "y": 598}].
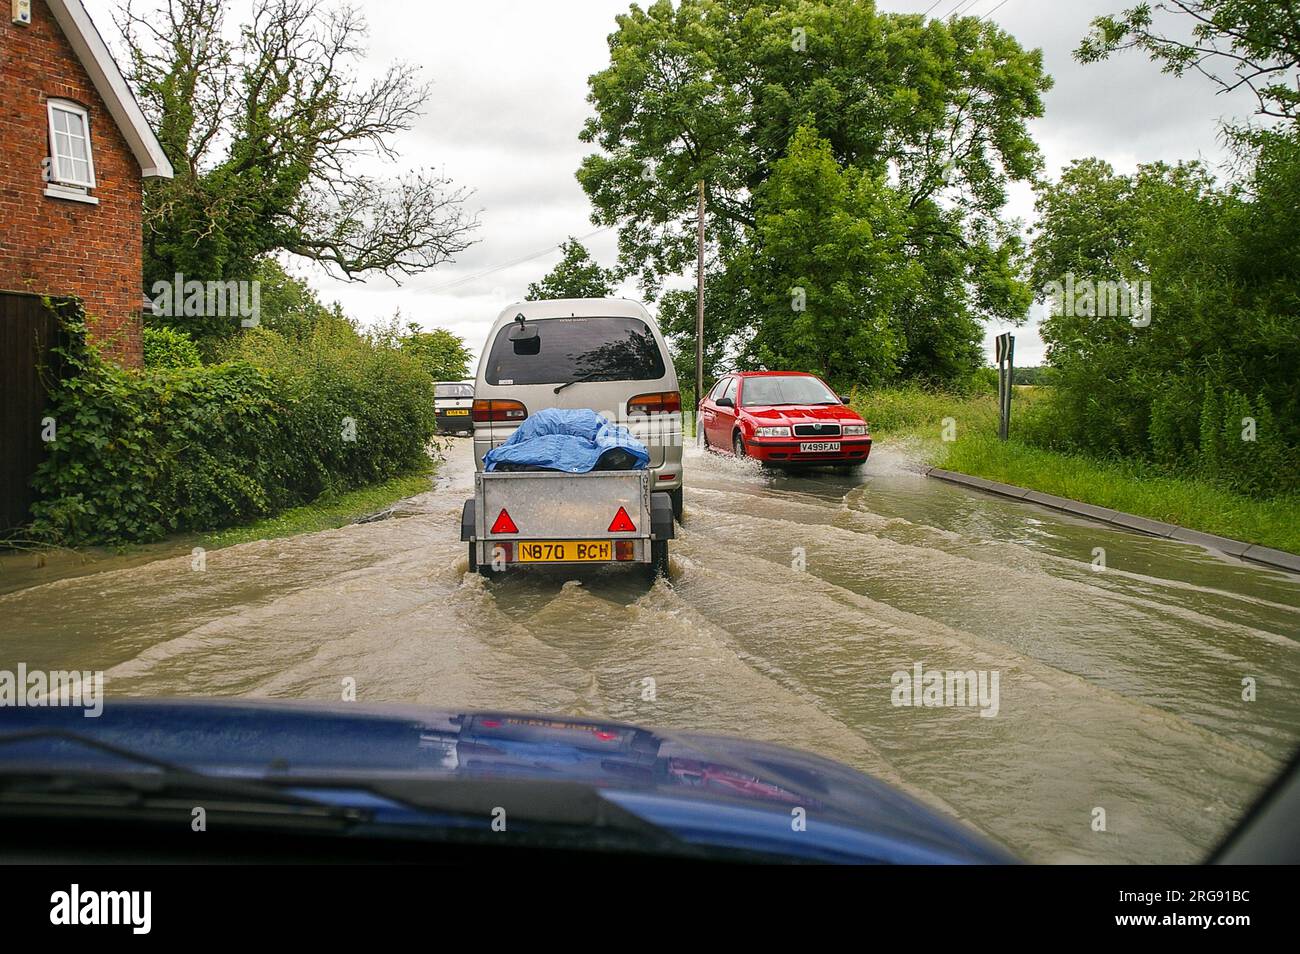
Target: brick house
[{"x": 74, "y": 151}]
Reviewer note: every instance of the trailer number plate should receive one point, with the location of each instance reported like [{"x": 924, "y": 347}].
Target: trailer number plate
[{"x": 564, "y": 551}]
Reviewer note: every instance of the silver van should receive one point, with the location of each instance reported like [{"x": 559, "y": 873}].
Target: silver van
[{"x": 606, "y": 354}]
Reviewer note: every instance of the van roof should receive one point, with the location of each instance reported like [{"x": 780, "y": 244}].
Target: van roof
[{"x": 573, "y": 308}]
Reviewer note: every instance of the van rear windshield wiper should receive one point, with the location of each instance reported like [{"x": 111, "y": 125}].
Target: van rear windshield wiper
[{"x": 578, "y": 380}]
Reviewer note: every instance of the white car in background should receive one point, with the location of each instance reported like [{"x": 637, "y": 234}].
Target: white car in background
[{"x": 453, "y": 403}]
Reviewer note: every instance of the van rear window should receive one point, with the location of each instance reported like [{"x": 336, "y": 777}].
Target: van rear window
[{"x": 568, "y": 349}]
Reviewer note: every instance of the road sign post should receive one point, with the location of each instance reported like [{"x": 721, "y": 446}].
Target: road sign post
[{"x": 1005, "y": 350}]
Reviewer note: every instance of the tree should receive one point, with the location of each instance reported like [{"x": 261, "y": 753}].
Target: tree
[
  {"x": 1038, "y": 375},
  {"x": 440, "y": 352},
  {"x": 1234, "y": 43},
  {"x": 733, "y": 314},
  {"x": 1164, "y": 225},
  {"x": 288, "y": 304},
  {"x": 829, "y": 268},
  {"x": 266, "y": 133},
  {"x": 576, "y": 275},
  {"x": 716, "y": 91},
  {"x": 1207, "y": 384},
  {"x": 1221, "y": 344}
]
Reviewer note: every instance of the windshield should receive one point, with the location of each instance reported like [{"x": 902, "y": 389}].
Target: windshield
[
  {"x": 569, "y": 349},
  {"x": 454, "y": 391},
  {"x": 785, "y": 389}
]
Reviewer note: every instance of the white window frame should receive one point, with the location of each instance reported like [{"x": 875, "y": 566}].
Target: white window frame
[{"x": 56, "y": 175}]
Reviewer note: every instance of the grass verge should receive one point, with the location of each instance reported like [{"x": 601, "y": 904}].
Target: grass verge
[
  {"x": 916, "y": 419},
  {"x": 325, "y": 512}
]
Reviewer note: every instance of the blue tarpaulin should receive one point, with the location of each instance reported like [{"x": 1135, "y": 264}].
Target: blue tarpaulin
[{"x": 572, "y": 440}]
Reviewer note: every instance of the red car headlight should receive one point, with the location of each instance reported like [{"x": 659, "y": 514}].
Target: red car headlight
[{"x": 772, "y": 431}]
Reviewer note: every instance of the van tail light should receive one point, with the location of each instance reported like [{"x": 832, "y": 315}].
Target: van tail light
[
  {"x": 486, "y": 411},
  {"x": 656, "y": 402}
]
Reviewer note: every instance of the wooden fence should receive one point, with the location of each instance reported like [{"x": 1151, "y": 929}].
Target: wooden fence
[{"x": 28, "y": 329}]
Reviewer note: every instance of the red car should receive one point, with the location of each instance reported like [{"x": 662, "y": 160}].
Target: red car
[{"x": 783, "y": 417}]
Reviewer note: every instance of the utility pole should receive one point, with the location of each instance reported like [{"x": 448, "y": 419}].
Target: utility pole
[{"x": 699, "y": 310}]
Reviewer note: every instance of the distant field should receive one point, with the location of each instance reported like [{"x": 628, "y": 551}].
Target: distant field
[{"x": 918, "y": 413}]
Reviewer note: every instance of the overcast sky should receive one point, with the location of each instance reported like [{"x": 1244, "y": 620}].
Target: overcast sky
[{"x": 509, "y": 97}]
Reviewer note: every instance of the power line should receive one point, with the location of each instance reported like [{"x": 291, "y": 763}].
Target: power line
[
  {"x": 994, "y": 10},
  {"x": 960, "y": 7},
  {"x": 456, "y": 283}
]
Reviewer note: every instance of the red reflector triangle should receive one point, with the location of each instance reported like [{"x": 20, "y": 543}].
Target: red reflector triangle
[
  {"x": 622, "y": 523},
  {"x": 504, "y": 524}
]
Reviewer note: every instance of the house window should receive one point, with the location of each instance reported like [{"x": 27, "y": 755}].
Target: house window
[{"x": 71, "y": 162}]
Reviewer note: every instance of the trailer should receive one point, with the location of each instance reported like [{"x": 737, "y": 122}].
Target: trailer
[{"x": 530, "y": 518}]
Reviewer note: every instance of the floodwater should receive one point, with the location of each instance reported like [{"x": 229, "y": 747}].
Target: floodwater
[{"x": 793, "y": 602}]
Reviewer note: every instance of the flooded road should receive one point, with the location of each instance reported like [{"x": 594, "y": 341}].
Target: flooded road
[{"x": 794, "y": 601}]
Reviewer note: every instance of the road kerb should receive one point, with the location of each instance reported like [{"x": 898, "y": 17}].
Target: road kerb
[{"x": 1253, "y": 552}]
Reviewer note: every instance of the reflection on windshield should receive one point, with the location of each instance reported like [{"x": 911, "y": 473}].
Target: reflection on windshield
[
  {"x": 636, "y": 355},
  {"x": 786, "y": 389}
]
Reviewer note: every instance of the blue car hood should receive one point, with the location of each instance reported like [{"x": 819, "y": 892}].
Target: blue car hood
[{"x": 706, "y": 789}]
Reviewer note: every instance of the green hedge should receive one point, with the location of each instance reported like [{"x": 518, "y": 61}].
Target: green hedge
[
  {"x": 1193, "y": 429},
  {"x": 138, "y": 455},
  {"x": 334, "y": 375},
  {"x": 169, "y": 348}
]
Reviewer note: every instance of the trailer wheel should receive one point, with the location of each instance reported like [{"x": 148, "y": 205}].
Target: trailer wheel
[
  {"x": 658, "y": 558},
  {"x": 473, "y": 566}
]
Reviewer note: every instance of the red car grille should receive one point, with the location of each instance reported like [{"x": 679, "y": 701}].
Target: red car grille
[{"x": 817, "y": 430}]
